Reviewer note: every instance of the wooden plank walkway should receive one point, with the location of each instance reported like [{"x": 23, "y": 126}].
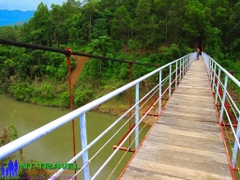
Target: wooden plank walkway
[{"x": 186, "y": 142}]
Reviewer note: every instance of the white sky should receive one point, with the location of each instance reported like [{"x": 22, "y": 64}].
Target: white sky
[{"x": 26, "y": 4}]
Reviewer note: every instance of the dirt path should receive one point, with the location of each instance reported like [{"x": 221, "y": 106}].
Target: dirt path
[{"x": 80, "y": 60}]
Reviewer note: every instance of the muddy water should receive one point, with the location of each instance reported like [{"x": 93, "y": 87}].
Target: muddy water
[{"x": 56, "y": 147}]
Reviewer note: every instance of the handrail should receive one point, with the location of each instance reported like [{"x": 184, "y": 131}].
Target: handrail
[
  {"x": 223, "y": 70},
  {"x": 181, "y": 66},
  {"x": 228, "y": 110}
]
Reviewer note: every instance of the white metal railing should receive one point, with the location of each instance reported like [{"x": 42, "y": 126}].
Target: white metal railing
[
  {"x": 228, "y": 109},
  {"x": 176, "y": 70}
]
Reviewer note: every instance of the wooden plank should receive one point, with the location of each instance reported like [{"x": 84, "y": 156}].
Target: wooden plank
[
  {"x": 187, "y": 123},
  {"x": 194, "y": 108},
  {"x": 197, "y": 162},
  {"x": 188, "y": 141},
  {"x": 179, "y": 129},
  {"x": 189, "y": 117},
  {"x": 150, "y": 170},
  {"x": 218, "y": 157},
  {"x": 185, "y": 143}
]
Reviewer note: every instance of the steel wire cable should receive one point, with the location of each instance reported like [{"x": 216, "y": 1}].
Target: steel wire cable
[
  {"x": 128, "y": 147},
  {"x": 67, "y": 52},
  {"x": 228, "y": 139}
]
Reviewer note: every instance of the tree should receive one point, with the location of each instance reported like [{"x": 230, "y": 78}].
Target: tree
[
  {"x": 141, "y": 23},
  {"x": 196, "y": 19},
  {"x": 42, "y": 26},
  {"x": 235, "y": 44},
  {"x": 89, "y": 11},
  {"x": 121, "y": 24},
  {"x": 8, "y": 32},
  {"x": 99, "y": 28},
  {"x": 57, "y": 16}
]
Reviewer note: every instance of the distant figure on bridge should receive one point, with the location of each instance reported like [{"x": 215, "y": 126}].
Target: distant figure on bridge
[{"x": 198, "y": 53}]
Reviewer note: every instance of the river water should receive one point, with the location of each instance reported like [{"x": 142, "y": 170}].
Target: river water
[{"x": 56, "y": 147}]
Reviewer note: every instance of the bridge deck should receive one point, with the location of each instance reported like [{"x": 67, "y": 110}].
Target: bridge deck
[{"x": 186, "y": 142}]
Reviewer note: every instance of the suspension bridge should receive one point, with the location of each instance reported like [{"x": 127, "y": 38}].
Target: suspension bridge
[{"x": 195, "y": 134}]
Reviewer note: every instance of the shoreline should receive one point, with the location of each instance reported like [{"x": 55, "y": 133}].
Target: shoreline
[{"x": 110, "y": 107}]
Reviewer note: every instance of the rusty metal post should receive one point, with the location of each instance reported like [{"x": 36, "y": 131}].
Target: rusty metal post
[{"x": 71, "y": 103}]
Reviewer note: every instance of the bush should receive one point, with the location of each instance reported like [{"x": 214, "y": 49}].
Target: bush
[
  {"x": 20, "y": 92},
  {"x": 46, "y": 91},
  {"x": 64, "y": 100},
  {"x": 82, "y": 97}
]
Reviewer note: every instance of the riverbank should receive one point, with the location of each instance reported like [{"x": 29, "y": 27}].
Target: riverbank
[
  {"x": 56, "y": 147},
  {"x": 114, "y": 108}
]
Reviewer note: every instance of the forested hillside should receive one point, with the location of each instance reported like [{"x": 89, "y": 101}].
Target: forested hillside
[{"x": 149, "y": 31}]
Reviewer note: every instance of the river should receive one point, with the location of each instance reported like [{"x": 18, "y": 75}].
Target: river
[{"x": 56, "y": 147}]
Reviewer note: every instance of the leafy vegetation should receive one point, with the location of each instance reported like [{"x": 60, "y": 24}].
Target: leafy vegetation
[
  {"x": 9, "y": 133},
  {"x": 149, "y": 31}
]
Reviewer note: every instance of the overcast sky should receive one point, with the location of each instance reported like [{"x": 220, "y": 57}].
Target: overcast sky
[{"x": 27, "y": 4}]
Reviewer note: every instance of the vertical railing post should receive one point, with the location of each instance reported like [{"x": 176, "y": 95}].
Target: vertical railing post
[
  {"x": 137, "y": 116},
  {"x": 217, "y": 88},
  {"x": 213, "y": 83},
  {"x": 236, "y": 148},
  {"x": 176, "y": 77},
  {"x": 184, "y": 66},
  {"x": 180, "y": 69},
  {"x": 83, "y": 136},
  {"x": 203, "y": 55},
  {"x": 208, "y": 65},
  {"x": 160, "y": 92},
  {"x": 224, "y": 97},
  {"x": 210, "y": 70},
  {"x": 170, "y": 81},
  {"x": 205, "y": 60}
]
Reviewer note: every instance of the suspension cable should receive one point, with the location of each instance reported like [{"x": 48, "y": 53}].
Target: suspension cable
[{"x": 66, "y": 52}]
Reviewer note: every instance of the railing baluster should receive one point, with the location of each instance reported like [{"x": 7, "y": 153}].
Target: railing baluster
[
  {"x": 83, "y": 136},
  {"x": 224, "y": 97},
  {"x": 213, "y": 83},
  {"x": 170, "y": 81},
  {"x": 137, "y": 116},
  {"x": 184, "y": 66},
  {"x": 180, "y": 69},
  {"x": 211, "y": 70},
  {"x": 217, "y": 89},
  {"x": 209, "y": 64},
  {"x": 236, "y": 148},
  {"x": 176, "y": 77},
  {"x": 160, "y": 92}
]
